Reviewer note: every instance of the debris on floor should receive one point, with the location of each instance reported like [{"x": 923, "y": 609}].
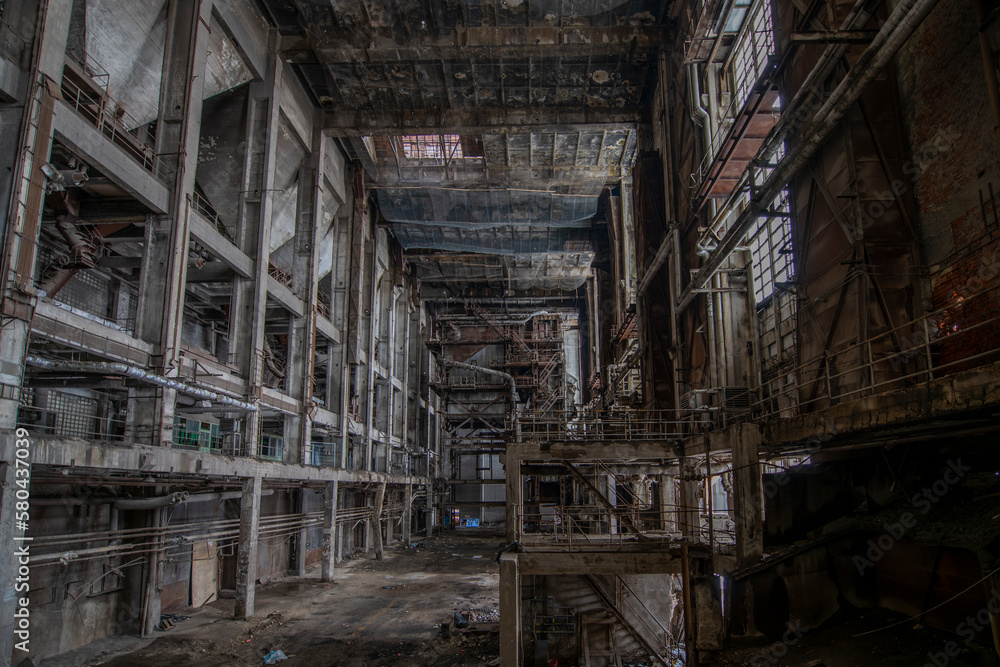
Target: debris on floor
[
  {"x": 362, "y": 625},
  {"x": 275, "y": 657},
  {"x": 168, "y": 621}
]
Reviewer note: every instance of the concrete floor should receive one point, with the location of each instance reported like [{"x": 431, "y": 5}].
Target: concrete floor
[{"x": 375, "y": 613}]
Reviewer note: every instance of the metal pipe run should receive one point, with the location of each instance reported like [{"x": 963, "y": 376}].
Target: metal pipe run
[{"x": 114, "y": 368}]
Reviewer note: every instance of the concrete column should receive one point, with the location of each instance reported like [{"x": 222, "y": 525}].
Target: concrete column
[
  {"x": 667, "y": 516},
  {"x": 510, "y": 611},
  {"x": 246, "y": 562},
  {"x": 21, "y": 250},
  {"x": 151, "y": 607},
  {"x": 302, "y": 343},
  {"x": 55, "y": 34},
  {"x": 298, "y": 565},
  {"x": 407, "y": 520},
  {"x": 249, "y": 301},
  {"x": 688, "y": 514},
  {"x": 429, "y": 508},
  {"x": 377, "y": 520},
  {"x": 747, "y": 498},
  {"x": 329, "y": 561},
  {"x": 160, "y": 312}
]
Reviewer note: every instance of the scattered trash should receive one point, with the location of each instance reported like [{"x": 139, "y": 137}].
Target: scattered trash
[
  {"x": 391, "y": 588},
  {"x": 167, "y": 621},
  {"x": 477, "y": 556},
  {"x": 460, "y": 621},
  {"x": 274, "y": 657}
]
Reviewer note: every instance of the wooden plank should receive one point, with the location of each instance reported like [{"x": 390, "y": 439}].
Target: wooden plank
[{"x": 204, "y": 572}]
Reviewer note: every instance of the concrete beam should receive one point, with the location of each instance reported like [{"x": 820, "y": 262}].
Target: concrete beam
[
  {"x": 247, "y": 34},
  {"x": 73, "y": 453},
  {"x": 206, "y": 235},
  {"x": 480, "y": 121},
  {"x": 276, "y": 400},
  {"x": 285, "y": 297},
  {"x": 555, "y": 450},
  {"x": 324, "y": 417},
  {"x": 325, "y": 328},
  {"x": 246, "y": 563},
  {"x": 64, "y": 326},
  {"x": 93, "y": 147},
  {"x": 490, "y": 42},
  {"x": 599, "y": 562}
]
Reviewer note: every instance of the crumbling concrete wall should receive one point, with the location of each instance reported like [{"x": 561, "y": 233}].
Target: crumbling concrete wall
[{"x": 68, "y": 609}]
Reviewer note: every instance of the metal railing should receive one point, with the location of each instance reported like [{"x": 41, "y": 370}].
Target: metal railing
[
  {"x": 111, "y": 120},
  {"x": 597, "y": 527},
  {"x": 205, "y": 208},
  {"x": 957, "y": 337},
  {"x": 595, "y": 425},
  {"x": 279, "y": 274},
  {"x": 641, "y": 619}
]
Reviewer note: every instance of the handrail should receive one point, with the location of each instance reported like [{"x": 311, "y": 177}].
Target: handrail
[{"x": 917, "y": 340}]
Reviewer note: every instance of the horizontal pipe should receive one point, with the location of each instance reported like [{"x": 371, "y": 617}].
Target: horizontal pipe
[
  {"x": 149, "y": 503},
  {"x": 114, "y": 368}
]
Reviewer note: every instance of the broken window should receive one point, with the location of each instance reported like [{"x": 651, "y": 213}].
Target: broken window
[
  {"x": 770, "y": 243},
  {"x": 754, "y": 46}
]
